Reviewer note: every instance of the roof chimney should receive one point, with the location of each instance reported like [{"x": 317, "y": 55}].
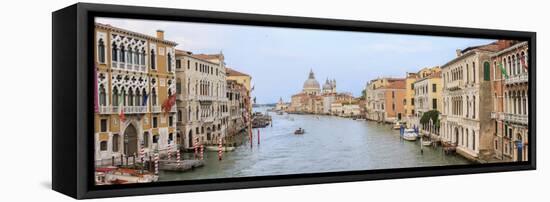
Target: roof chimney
[
  {"x": 160, "y": 34},
  {"x": 458, "y": 52}
]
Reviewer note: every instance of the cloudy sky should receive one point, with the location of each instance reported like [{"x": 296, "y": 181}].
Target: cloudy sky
[{"x": 279, "y": 59}]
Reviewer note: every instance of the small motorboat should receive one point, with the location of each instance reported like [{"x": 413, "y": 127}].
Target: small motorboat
[
  {"x": 300, "y": 131},
  {"x": 397, "y": 125},
  {"x": 410, "y": 135}
]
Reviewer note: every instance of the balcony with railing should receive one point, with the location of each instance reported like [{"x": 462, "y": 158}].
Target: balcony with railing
[
  {"x": 517, "y": 79},
  {"x": 126, "y": 109},
  {"x": 156, "y": 109},
  {"x": 454, "y": 85},
  {"x": 516, "y": 118}
]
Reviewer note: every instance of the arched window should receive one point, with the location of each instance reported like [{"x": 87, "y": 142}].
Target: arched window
[
  {"x": 154, "y": 97},
  {"x": 101, "y": 51},
  {"x": 486, "y": 71},
  {"x": 114, "y": 52},
  {"x": 130, "y": 97},
  {"x": 102, "y": 96},
  {"x": 124, "y": 95},
  {"x": 144, "y": 100},
  {"x": 474, "y": 107},
  {"x": 136, "y": 57},
  {"x": 474, "y": 140},
  {"x": 474, "y": 72},
  {"x": 116, "y": 142},
  {"x": 130, "y": 55},
  {"x": 138, "y": 98},
  {"x": 153, "y": 60},
  {"x": 169, "y": 62},
  {"x": 122, "y": 54},
  {"x": 518, "y": 64},
  {"x": 115, "y": 96},
  {"x": 143, "y": 56}
]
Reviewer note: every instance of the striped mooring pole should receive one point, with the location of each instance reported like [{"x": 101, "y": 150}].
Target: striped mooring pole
[
  {"x": 142, "y": 153},
  {"x": 220, "y": 152},
  {"x": 178, "y": 158},
  {"x": 169, "y": 151}
]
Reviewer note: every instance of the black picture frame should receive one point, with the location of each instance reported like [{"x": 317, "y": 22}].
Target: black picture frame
[{"x": 72, "y": 122}]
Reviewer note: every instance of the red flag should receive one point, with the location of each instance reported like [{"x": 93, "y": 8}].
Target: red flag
[
  {"x": 523, "y": 63},
  {"x": 168, "y": 103}
]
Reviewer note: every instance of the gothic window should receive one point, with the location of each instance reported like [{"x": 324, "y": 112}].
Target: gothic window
[
  {"x": 144, "y": 103},
  {"x": 122, "y": 54},
  {"x": 136, "y": 57},
  {"x": 115, "y": 96},
  {"x": 153, "y": 60},
  {"x": 138, "y": 98},
  {"x": 124, "y": 95},
  {"x": 154, "y": 97},
  {"x": 130, "y": 97},
  {"x": 114, "y": 52},
  {"x": 101, "y": 51},
  {"x": 130, "y": 55},
  {"x": 102, "y": 96},
  {"x": 518, "y": 64}
]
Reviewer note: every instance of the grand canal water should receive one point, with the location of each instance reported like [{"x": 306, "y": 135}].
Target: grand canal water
[{"x": 329, "y": 144}]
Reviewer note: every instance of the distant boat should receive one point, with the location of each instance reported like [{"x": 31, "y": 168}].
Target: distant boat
[
  {"x": 426, "y": 143},
  {"x": 397, "y": 125},
  {"x": 410, "y": 135},
  {"x": 299, "y": 131}
]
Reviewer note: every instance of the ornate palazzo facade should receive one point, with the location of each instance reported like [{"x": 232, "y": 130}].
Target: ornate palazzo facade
[
  {"x": 510, "y": 102},
  {"x": 465, "y": 119},
  {"x": 135, "y": 74},
  {"x": 202, "y": 100}
]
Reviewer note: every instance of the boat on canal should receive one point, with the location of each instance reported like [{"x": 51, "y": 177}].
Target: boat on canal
[
  {"x": 300, "y": 131},
  {"x": 398, "y": 125},
  {"x": 410, "y": 135}
]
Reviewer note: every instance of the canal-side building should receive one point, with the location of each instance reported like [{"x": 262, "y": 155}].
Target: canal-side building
[
  {"x": 385, "y": 99},
  {"x": 427, "y": 96},
  {"x": 245, "y": 80},
  {"x": 135, "y": 87},
  {"x": 236, "y": 109},
  {"x": 201, "y": 80},
  {"x": 510, "y": 102},
  {"x": 408, "y": 101},
  {"x": 465, "y": 119}
]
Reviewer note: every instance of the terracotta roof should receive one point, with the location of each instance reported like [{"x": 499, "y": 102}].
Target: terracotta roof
[
  {"x": 184, "y": 52},
  {"x": 395, "y": 84},
  {"x": 231, "y": 72},
  {"x": 207, "y": 56}
]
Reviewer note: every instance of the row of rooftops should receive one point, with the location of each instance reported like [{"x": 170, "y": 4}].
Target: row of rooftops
[{"x": 496, "y": 47}]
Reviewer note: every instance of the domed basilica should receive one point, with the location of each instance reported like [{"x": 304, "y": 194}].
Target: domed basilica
[{"x": 312, "y": 87}]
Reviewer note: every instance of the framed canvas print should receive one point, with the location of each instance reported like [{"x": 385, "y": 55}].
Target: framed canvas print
[{"x": 157, "y": 100}]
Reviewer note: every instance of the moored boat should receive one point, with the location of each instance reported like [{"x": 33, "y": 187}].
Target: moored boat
[{"x": 410, "y": 135}]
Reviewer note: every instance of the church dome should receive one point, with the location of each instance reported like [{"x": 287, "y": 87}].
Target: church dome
[{"x": 311, "y": 83}]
